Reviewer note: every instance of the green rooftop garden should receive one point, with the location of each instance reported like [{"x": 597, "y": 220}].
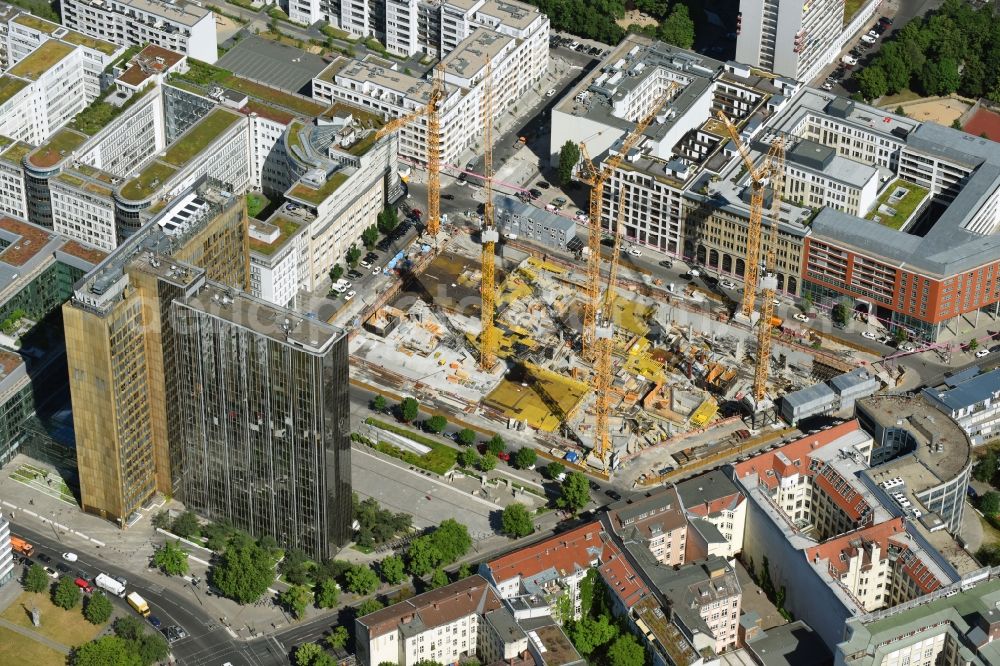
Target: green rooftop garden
[
  {"x": 72, "y": 36},
  {"x": 893, "y": 212},
  {"x": 294, "y": 140},
  {"x": 70, "y": 179},
  {"x": 4, "y": 142},
  {"x": 272, "y": 112},
  {"x": 294, "y": 102},
  {"x": 9, "y": 86},
  {"x": 41, "y": 60},
  {"x": 100, "y": 113},
  {"x": 17, "y": 152},
  {"x": 314, "y": 196},
  {"x": 58, "y": 147},
  {"x": 148, "y": 182},
  {"x": 286, "y": 227},
  {"x": 197, "y": 138}
]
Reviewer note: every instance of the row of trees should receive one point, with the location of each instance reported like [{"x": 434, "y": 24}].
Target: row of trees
[
  {"x": 386, "y": 223},
  {"x": 131, "y": 645},
  {"x": 955, "y": 49}
]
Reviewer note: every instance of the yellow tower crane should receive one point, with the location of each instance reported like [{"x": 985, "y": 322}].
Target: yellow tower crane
[
  {"x": 604, "y": 344},
  {"x": 433, "y": 115},
  {"x": 596, "y": 177},
  {"x": 751, "y": 262},
  {"x": 489, "y": 338},
  {"x": 775, "y": 165}
]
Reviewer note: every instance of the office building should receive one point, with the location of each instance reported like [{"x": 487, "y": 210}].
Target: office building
[
  {"x": 836, "y": 395},
  {"x": 832, "y": 538},
  {"x": 924, "y": 458},
  {"x": 957, "y": 624},
  {"x": 441, "y": 625},
  {"x": 519, "y": 219},
  {"x": 6, "y": 553},
  {"x": 26, "y": 32},
  {"x": 260, "y": 382},
  {"x": 186, "y": 27},
  {"x": 121, "y": 352},
  {"x": 16, "y": 405},
  {"x": 278, "y": 257},
  {"x": 972, "y": 402},
  {"x": 794, "y": 38}
]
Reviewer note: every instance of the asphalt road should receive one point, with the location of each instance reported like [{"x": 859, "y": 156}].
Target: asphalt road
[{"x": 207, "y": 642}]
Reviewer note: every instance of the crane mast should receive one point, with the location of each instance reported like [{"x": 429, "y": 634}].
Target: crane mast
[
  {"x": 596, "y": 178},
  {"x": 769, "y": 283},
  {"x": 489, "y": 237}
]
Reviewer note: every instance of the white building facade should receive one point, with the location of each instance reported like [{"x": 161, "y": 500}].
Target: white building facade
[{"x": 794, "y": 38}]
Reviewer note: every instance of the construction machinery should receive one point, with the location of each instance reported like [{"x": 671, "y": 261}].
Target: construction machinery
[
  {"x": 775, "y": 166},
  {"x": 604, "y": 345},
  {"x": 433, "y": 115},
  {"x": 489, "y": 338},
  {"x": 758, "y": 178},
  {"x": 591, "y": 175}
]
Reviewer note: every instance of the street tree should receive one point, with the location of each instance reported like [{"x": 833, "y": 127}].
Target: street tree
[
  {"x": 171, "y": 559},
  {"x": 97, "y": 608},
  {"x": 392, "y": 569},
  {"x": 379, "y": 404},
  {"x": 554, "y": 469},
  {"x": 451, "y": 539},
  {"x": 327, "y": 593},
  {"x": 987, "y": 466},
  {"x": 338, "y": 637},
  {"x": 496, "y": 445},
  {"x": 361, "y": 579},
  {"x": 466, "y": 437},
  {"x": 678, "y": 28},
  {"x": 336, "y": 272},
  {"x": 152, "y": 648},
  {"x": 244, "y": 572},
  {"x": 295, "y": 599},
  {"x": 488, "y": 463},
  {"x": 369, "y": 606},
  {"x": 516, "y": 521},
  {"x": 311, "y": 654},
  {"x": 574, "y": 492},
  {"x": 626, "y": 651},
  {"x": 129, "y": 628},
  {"x": 66, "y": 594},
  {"x": 525, "y": 457},
  {"x": 186, "y": 525},
  {"x": 569, "y": 155},
  {"x": 973, "y": 345},
  {"x": 438, "y": 579},
  {"x": 353, "y": 255},
  {"x": 409, "y": 409},
  {"x": 106, "y": 651},
  {"x": 422, "y": 556},
  {"x": 839, "y": 314},
  {"x": 35, "y": 579},
  {"x": 468, "y": 457},
  {"x": 871, "y": 82},
  {"x": 436, "y": 424},
  {"x": 900, "y": 335},
  {"x": 370, "y": 237},
  {"x": 989, "y": 503}
]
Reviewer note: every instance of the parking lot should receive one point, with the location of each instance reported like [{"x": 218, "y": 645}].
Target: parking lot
[{"x": 866, "y": 45}]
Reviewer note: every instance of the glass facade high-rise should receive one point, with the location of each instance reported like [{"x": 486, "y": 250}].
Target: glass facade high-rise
[{"x": 265, "y": 412}]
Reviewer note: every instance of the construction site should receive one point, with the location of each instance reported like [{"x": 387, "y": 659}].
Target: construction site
[{"x": 584, "y": 355}]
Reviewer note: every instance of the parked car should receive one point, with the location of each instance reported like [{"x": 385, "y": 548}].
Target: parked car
[
  {"x": 350, "y": 295},
  {"x": 798, "y": 316},
  {"x": 155, "y": 621},
  {"x": 550, "y": 92},
  {"x": 534, "y": 193},
  {"x": 728, "y": 284},
  {"x": 51, "y": 572},
  {"x": 504, "y": 456},
  {"x": 559, "y": 201},
  {"x": 355, "y": 275},
  {"x": 613, "y": 494},
  {"x": 868, "y": 39},
  {"x": 868, "y": 335},
  {"x": 69, "y": 557},
  {"x": 43, "y": 558},
  {"x": 667, "y": 263},
  {"x": 449, "y": 197},
  {"x": 635, "y": 251},
  {"x": 62, "y": 568},
  {"x": 542, "y": 185},
  {"x": 982, "y": 352},
  {"x": 827, "y": 86},
  {"x": 84, "y": 585},
  {"x": 848, "y": 60}
]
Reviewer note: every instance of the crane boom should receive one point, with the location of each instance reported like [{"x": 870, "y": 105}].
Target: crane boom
[
  {"x": 596, "y": 178},
  {"x": 487, "y": 288}
]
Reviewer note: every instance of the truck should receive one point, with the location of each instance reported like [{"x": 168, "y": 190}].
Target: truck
[
  {"x": 21, "y": 546},
  {"x": 138, "y": 603},
  {"x": 109, "y": 584}
]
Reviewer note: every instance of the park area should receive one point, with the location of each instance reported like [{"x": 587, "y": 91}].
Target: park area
[{"x": 66, "y": 628}]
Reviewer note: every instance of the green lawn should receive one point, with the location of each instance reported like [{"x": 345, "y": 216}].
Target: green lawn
[
  {"x": 18, "y": 649},
  {"x": 287, "y": 228},
  {"x": 61, "y": 144},
  {"x": 256, "y": 203},
  {"x": 66, "y": 627},
  {"x": 199, "y": 136},
  {"x": 318, "y": 196},
  {"x": 151, "y": 178},
  {"x": 904, "y": 208},
  {"x": 439, "y": 460},
  {"x": 41, "y": 59}
]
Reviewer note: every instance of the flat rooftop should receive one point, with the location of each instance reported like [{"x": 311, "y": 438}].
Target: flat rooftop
[
  {"x": 9, "y": 362},
  {"x": 10, "y": 86},
  {"x": 793, "y": 644},
  {"x": 926, "y": 467},
  {"x": 272, "y": 63},
  {"x": 517, "y": 15},
  {"x": 48, "y": 54},
  {"x": 371, "y": 74},
  {"x": 176, "y": 11},
  {"x": 267, "y": 238},
  {"x": 65, "y": 34},
  {"x": 56, "y": 148},
  {"x": 469, "y": 57}
]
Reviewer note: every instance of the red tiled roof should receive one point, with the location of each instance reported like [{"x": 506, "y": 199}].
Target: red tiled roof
[
  {"x": 566, "y": 552},
  {"x": 32, "y": 240},
  {"x": 842, "y": 492},
  {"x": 797, "y": 450},
  {"x": 437, "y": 607},
  {"x": 715, "y": 506},
  {"x": 623, "y": 580}
]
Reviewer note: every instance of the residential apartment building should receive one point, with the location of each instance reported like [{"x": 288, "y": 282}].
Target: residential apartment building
[
  {"x": 26, "y": 32},
  {"x": 17, "y": 403},
  {"x": 186, "y": 27},
  {"x": 42, "y": 92},
  {"x": 815, "y": 176},
  {"x": 972, "y": 402},
  {"x": 121, "y": 352},
  {"x": 716, "y": 511},
  {"x": 504, "y": 638},
  {"x": 516, "y": 46},
  {"x": 705, "y": 601},
  {"x": 794, "y": 38},
  {"x": 258, "y": 380},
  {"x": 441, "y": 625},
  {"x": 956, "y": 624},
  {"x": 819, "y": 526},
  {"x": 656, "y": 520}
]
